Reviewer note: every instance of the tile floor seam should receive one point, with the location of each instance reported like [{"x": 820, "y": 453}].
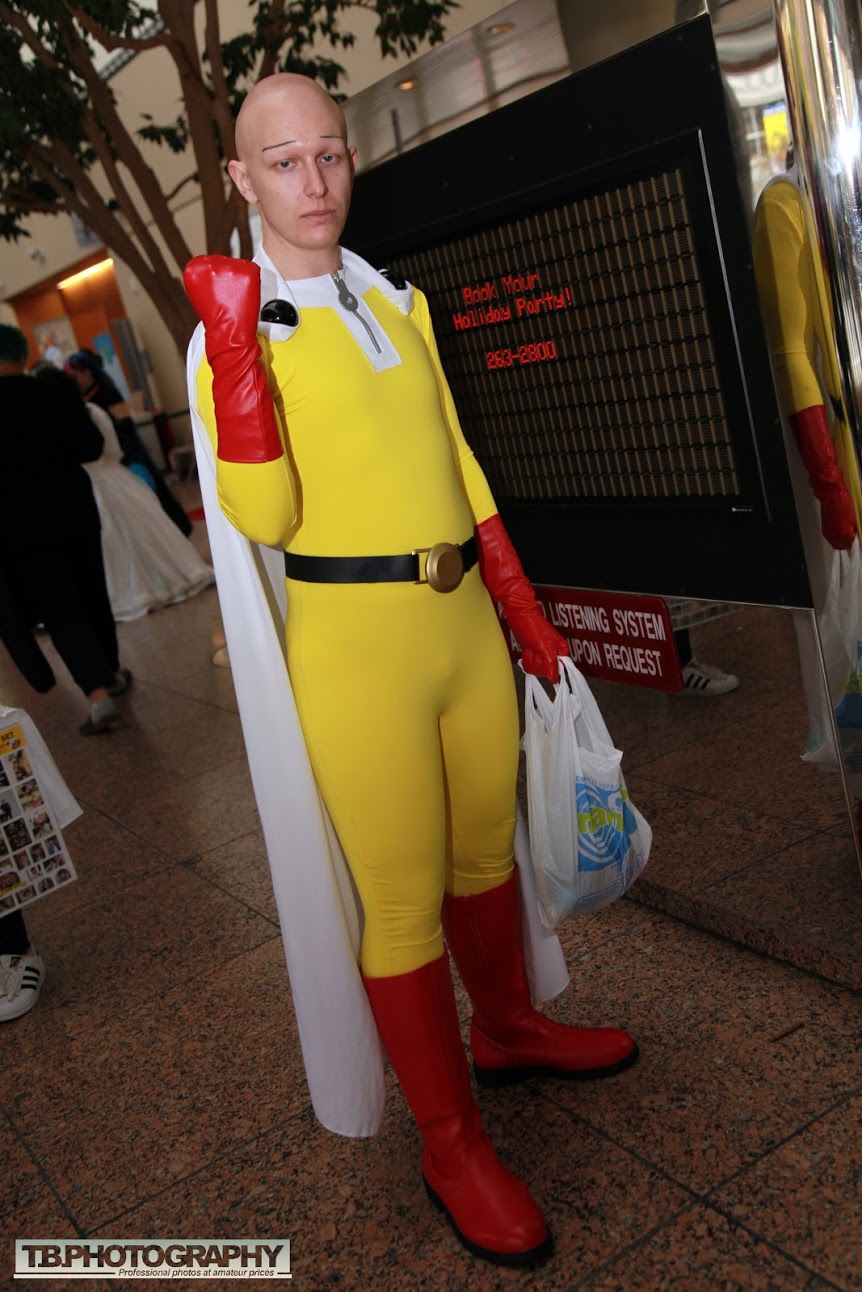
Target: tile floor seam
[
  {"x": 763, "y": 857},
  {"x": 639, "y": 1243},
  {"x": 49, "y": 921},
  {"x": 847, "y": 1097},
  {"x": 785, "y": 965},
  {"x": 49, "y": 1183},
  {"x": 204, "y": 1168},
  {"x": 754, "y": 937},
  {"x": 241, "y": 760},
  {"x": 217, "y": 708},
  {"x": 190, "y": 866},
  {"x": 172, "y": 690},
  {"x": 621, "y": 935},
  {"x": 100, "y": 1023},
  {"x": 602, "y": 1133},
  {"x": 635, "y": 1245},
  {"x": 701, "y": 1196},
  {"x": 149, "y": 843},
  {"x": 722, "y": 802},
  {"x": 736, "y": 1223}
]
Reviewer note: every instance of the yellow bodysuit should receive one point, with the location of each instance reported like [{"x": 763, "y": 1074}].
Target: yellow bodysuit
[
  {"x": 406, "y": 695},
  {"x": 799, "y": 318}
]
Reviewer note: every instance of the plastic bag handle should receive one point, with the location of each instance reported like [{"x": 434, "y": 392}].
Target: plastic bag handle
[
  {"x": 546, "y": 709},
  {"x": 538, "y": 701},
  {"x": 589, "y": 706}
]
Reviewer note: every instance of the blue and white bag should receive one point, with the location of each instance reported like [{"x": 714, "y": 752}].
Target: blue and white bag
[{"x": 589, "y": 842}]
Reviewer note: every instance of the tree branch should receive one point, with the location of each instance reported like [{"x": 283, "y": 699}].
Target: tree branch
[
  {"x": 104, "y": 112},
  {"x": 85, "y": 200},
  {"x": 178, "y": 15},
  {"x": 127, "y": 204},
  {"x": 221, "y": 98},
  {"x": 110, "y": 40},
  {"x": 270, "y": 55},
  {"x": 169, "y": 197}
]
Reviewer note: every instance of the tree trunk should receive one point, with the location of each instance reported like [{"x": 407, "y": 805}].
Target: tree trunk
[{"x": 176, "y": 311}]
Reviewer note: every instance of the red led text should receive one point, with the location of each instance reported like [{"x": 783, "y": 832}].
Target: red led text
[
  {"x": 541, "y": 304},
  {"x": 512, "y": 296},
  {"x": 541, "y": 352},
  {"x": 479, "y": 317}
]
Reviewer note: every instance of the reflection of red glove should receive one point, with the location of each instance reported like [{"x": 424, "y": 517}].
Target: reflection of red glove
[
  {"x": 837, "y": 517},
  {"x": 226, "y": 294},
  {"x": 507, "y": 583}
]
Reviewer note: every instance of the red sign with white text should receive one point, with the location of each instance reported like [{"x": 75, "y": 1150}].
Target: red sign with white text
[{"x": 617, "y": 636}]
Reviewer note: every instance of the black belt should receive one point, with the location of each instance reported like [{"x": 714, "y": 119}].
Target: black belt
[{"x": 445, "y": 565}]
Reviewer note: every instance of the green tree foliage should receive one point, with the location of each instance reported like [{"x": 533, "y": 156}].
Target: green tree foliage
[{"x": 66, "y": 147}]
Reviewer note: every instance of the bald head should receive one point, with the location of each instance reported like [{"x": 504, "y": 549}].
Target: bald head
[
  {"x": 294, "y": 163},
  {"x": 280, "y": 102}
]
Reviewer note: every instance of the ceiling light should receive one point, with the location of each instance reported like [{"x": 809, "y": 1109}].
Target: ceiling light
[
  {"x": 84, "y": 273},
  {"x": 500, "y": 28},
  {"x": 407, "y": 84}
]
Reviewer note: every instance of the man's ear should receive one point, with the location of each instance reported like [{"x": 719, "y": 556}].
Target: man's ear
[
  {"x": 351, "y": 152},
  {"x": 239, "y": 174}
]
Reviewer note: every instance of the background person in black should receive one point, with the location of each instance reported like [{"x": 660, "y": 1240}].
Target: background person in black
[
  {"x": 97, "y": 387},
  {"x": 51, "y": 569}
]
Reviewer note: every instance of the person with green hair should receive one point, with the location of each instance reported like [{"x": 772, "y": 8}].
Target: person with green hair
[{"x": 51, "y": 569}]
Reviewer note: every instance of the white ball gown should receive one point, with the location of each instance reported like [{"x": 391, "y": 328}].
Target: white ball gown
[{"x": 148, "y": 562}]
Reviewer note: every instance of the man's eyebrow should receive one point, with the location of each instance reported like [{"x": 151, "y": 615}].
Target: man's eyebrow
[{"x": 284, "y": 143}]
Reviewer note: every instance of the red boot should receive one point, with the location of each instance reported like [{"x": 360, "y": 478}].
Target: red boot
[
  {"x": 490, "y": 1210},
  {"x": 510, "y": 1039}
]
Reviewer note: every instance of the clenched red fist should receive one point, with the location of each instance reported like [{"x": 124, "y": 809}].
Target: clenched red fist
[{"x": 226, "y": 294}]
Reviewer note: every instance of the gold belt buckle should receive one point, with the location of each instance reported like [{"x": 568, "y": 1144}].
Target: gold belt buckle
[{"x": 444, "y": 568}]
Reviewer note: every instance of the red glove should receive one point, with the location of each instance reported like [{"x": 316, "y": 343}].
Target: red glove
[
  {"x": 507, "y": 583},
  {"x": 226, "y": 294},
  {"x": 837, "y": 517}
]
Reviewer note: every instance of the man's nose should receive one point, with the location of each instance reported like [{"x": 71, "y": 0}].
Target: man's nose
[{"x": 315, "y": 181}]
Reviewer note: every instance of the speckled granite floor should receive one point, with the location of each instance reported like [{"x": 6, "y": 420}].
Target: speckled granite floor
[{"x": 156, "y": 1090}]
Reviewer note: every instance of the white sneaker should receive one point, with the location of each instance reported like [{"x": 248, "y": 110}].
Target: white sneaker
[
  {"x": 104, "y": 716},
  {"x": 706, "y": 679},
  {"x": 21, "y": 979}
]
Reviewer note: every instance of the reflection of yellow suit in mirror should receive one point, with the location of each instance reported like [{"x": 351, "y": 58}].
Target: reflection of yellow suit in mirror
[
  {"x": 799, "y": 319},
  {"x": 798, "y": 314}
]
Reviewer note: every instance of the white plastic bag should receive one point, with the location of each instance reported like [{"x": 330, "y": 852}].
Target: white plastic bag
[{"x": 588, "y": 840}]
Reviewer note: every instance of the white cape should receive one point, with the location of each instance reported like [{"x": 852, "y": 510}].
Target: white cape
[{"x": 317, "y": 904}]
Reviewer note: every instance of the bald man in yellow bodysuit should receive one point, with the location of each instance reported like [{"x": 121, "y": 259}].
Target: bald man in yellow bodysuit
[{"x": 340, "y": 443}]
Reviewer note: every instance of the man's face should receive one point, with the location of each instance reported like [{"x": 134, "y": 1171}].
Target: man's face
[
  {"x": 84, "y": 378},
  {"x": 296, "y": 165}
]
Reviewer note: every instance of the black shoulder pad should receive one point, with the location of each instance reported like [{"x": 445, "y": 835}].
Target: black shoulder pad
[
  {"x": 398, "y": 281},
  {"x": 279, "y": 312}
]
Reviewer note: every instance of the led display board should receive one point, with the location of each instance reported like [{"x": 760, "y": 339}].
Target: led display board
[
  {"x": 582, "y": 356},
  {"x": 588, "y": 272}
]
